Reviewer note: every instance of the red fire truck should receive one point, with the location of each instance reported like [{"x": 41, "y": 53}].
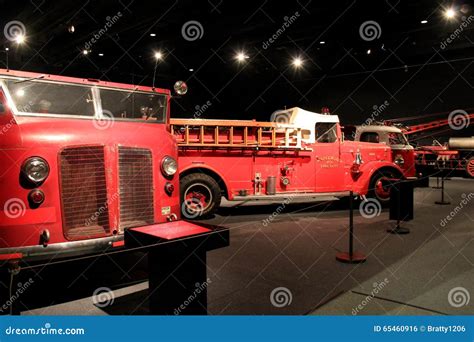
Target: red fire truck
[
  {"x": 248, "y": 160},
  {"x": 81, "y": 161}
]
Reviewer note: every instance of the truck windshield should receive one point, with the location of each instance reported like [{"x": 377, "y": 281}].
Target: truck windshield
[
  {"x": 133, "y": 105},
  {"x": 34, "y": 96},
  {"x": 51, "y": 98},
  {"x": 397, "y": 139}
]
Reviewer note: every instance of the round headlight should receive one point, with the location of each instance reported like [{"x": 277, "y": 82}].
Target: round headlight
[
  {"x": 399, "y": 159},
  {"x": 169, "y": 166},
  {"x": 36, "y": 169}
]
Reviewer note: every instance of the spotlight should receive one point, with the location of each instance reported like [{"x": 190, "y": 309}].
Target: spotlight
[
  {"x": 85, "y": 52},
  {"x": 191, "y": 70},
  {"x": 158, "y": 56},
  {"x": 20, "y": 39},
  {"x": 152, "y": 34},
  {"x": 369, "y": 51},
  {"x": 241, "y": 57},
  {"x": 322, "y": 42},
  {"x": 450, "y": 13},
  {"x": 71, "y": 28},
  {"x": 7, "y": 49},
  {"x": 424, "y": 21},
  {"x": 101, "y": 54},
  {"x": 297, "y": 62}
]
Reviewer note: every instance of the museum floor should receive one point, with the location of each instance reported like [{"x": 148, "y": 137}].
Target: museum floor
[{"x": 296, "y": 251}]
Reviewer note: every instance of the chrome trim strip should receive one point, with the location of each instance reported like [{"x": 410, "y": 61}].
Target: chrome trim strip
[{"x": 64, "y": 248}]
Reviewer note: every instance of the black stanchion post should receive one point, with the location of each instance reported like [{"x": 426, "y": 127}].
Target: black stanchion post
[
  {"x": 442, "y": 202},
  {"x": 351, "y": 257}
]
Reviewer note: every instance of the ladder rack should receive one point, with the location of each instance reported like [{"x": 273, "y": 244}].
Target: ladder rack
[{"x": 236, "y": 134}]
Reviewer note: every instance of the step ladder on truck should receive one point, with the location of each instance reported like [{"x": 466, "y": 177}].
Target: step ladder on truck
[{"x": 303, "y": 156}]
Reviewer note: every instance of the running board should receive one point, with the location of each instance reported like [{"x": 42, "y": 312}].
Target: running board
[{"x": 314, "y": 197}]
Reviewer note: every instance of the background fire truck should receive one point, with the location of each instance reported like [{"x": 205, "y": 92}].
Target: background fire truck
[
  {"x": 303, "y": 158},
  {"x": 455, "y": 157}
]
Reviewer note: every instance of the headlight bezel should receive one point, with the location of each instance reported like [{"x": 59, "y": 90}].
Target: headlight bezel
[
  {"x": 399, "y": 160},
  {"x": 169, "y": 166},
  {"x": 34, "y": 162}
]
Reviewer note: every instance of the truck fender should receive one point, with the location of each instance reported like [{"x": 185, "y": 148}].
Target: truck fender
[
  {"x": 198, "y": 168},
  {"x": 361, "y": 185}
]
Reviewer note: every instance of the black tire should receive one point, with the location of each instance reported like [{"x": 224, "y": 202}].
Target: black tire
[
  {"x": 373, "y": 193},
  {"x": 199, "y": 184}
]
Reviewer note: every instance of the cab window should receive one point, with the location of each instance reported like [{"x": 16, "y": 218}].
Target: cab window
[
  {"x": 134, "y": 105},
  {"x": 371, "y": 137},
  {"x": 51, "y": 98},
  {"x": 326, "y": 132}
]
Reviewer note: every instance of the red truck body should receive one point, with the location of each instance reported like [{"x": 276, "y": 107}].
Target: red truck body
[
  {"x": 103, "y": 147},
  {"x": 241, "y": 160}
]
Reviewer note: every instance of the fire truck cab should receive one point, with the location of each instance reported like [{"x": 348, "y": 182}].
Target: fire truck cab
[
  {"x": 81, "y": 162},
  {"x": 403, "y": 154},
  {"x": 300, "y": 154}
]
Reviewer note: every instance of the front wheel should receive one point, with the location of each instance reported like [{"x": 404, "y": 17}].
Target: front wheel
[
  {"x": 470, "y": 167},
  {"x": 200, "y": 196},
  {"x": 379, "y": 187}
]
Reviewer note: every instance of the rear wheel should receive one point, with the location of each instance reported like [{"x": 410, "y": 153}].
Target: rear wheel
[
  {"x": 379, "y": 187},
  {"x": 200, "y": 196},
  {"x": 470, "y": 167}
]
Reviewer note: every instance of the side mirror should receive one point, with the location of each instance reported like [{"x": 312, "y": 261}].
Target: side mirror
[{"x": 180, "y": 88}]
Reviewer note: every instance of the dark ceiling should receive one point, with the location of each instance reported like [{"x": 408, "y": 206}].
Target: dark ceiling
[{"x": 410, "y": 65}]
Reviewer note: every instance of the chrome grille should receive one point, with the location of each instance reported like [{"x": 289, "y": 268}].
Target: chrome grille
[
  {"x": 135, "y": 187},
  {"x": 84, "y": 192}
]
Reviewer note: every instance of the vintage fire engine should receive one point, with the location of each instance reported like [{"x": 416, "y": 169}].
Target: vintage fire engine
[
  {"x": 82, "y": 161},
  {"x": 303, "y": 156}
]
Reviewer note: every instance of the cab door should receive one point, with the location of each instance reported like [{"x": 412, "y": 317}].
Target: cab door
[{"x": 328, "y": 170}]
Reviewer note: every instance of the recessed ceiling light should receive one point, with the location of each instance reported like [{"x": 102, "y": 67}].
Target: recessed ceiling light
[
  {"x": 85, "y": 52},
  {"x": 101, "y": 54},
  {"x": 369, "y": 51},
  {"x": 191, "y": 69},
  {"x": 297, "y": 62},
  {"x": 322, "y": 42},
  {"x": 424, "y": 21},
  {"x": 152, "y": 34},
  {"x": 450, "y": 13}
]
